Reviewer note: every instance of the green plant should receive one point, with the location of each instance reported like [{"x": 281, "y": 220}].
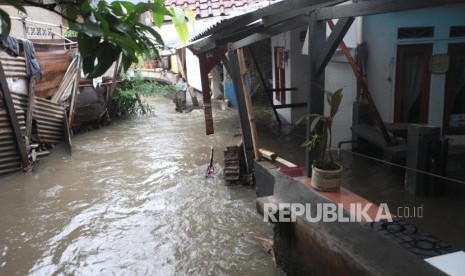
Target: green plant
[
  {"x": 129, "y": 97},
  {"x": 321, "y": 131}
]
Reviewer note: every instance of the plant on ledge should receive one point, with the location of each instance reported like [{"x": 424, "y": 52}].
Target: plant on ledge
[{"x": 326, "y": 173}]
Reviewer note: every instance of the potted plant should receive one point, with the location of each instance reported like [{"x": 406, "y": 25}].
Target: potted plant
[{"x": 326, "y": 173}]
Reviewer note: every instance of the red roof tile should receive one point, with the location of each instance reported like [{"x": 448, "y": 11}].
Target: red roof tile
[{"x": 208, "y": 8}]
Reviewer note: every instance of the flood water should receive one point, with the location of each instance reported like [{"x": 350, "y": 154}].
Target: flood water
[{"x": 132, "y": 200}]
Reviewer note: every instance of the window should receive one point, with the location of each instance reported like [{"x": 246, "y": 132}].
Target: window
[
  {"x": 415, "y": 32},
  {"x": 457, "y": 31}
]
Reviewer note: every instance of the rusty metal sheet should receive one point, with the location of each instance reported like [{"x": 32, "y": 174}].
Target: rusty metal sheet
[{"x": 54, "y": 65}]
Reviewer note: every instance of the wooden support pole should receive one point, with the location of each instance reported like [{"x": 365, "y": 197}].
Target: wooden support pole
[
  {"x": 74, "y": 94},
  {"x": 364, "y": 88},
  {"x": 316, "y": 83},
  {"x": 30, "y": 107},
  {"x": 113, "y": 81},
  {"x": 248, "y": 102},
  {"x": 232, "y": 65},
  {"x": 182, "y": 69},
  {"x": 8, "y": 101},
  {"x": 207, "y": 105}
]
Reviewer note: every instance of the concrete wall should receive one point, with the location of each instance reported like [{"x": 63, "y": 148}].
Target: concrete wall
[
  {"x": 329, "y": 248},
  {"x": 35, "y": 30},
  {"x": 380, "y": 32}
]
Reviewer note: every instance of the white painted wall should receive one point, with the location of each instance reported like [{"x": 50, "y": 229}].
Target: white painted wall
[
  {"x": 338, "y": 75},
  {"x": 380, "y": 33},
  {"x": 193, "y": 70}
]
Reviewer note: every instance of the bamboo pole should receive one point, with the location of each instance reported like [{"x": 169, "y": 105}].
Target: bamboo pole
[{"x": 248, "y": 102}]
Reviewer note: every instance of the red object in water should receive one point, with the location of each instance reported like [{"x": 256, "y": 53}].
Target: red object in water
[{"x": 292, "y": 172}]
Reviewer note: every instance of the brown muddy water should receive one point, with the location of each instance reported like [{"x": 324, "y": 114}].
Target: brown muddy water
[{"x": 132, "y": 200}]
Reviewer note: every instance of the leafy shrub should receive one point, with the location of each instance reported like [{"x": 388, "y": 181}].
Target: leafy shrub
[{"x": 129, "y": 97}]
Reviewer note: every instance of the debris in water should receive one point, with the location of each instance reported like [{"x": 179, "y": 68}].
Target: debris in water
[
  {"x": 267, "y": 245},
  {"x": 211, "y": 170}
]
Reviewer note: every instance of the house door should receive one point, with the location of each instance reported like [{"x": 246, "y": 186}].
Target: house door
[
  {"x": 454, "y": 98},
  {"x": 412, "y": 83}
]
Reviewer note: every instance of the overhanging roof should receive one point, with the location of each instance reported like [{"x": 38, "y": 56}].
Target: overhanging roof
[{"x": 285, "y": 15}]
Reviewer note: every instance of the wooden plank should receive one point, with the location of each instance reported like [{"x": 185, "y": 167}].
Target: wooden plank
[
  {"x": 268, "y": 154},
  {"x": 248, "y": 103},
  {"x": 378, "y": 7},
  {"x": 67, "y": 132},
  {"x": 54, "y": 65},
  {"x": 6, "y": 95},
  {"x": 72, "y": 105},
  {"x": 30, "y": 108},
  {"x": 232, "y": 65},
  {"x": 285, "y": 162}
]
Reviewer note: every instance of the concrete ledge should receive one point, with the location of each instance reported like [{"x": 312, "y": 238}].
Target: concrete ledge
[{"x": 330, "y": 248}]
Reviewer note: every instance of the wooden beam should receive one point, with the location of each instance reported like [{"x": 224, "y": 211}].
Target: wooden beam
[
  {"x": 244, "y": 32},
  {"x": 233, "y": 64},
  {"x": 216, "y": 58},
  {"x": 378, "y": 7},
  {"x": 248, "y": 102},
  {"x": 30, "y": 107},
  {"x": 248, "y": 41},
  {"x": 364, "y": 88},
  {"x": 207, "y": 105},
  {"x": 316, "y": 83},
  {"x": 293, "y": 23},
  {"x": 72, "y": 105},
  {"x": 10, "y": 108},
  {"x": 337, "y": 35}
]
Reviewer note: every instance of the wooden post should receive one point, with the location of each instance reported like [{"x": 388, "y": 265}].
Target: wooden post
[
  {"x": 113, "y": 82},
  {"x": 5, "y": 92},
  {"x": 232, "y": 65},
  {"x": 248, "y": 103},
  {"x": 74, "y": 94},
  {"x": 207, "y": 105},
  {"x": 30, "y": 107},
  {"x": 316, "y": 83},
  {"x": 182, "y": 69},
  {"x": 67, "y": 132}
]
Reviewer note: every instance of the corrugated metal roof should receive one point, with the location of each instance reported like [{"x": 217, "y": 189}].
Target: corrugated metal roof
[
  {"x": 171, "y": 38},
  {"x": 234, "y": 16}
]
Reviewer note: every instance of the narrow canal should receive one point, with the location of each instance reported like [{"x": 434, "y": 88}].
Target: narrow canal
[{"x": 132, "y": 200}]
